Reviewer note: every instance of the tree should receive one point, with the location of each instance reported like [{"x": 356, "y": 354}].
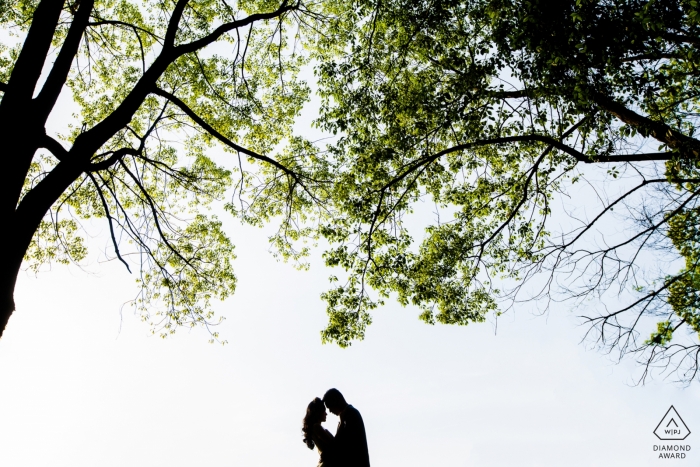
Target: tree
[
  {"x": 495, "y": 110},
  {"x": 156, "y": 85}
]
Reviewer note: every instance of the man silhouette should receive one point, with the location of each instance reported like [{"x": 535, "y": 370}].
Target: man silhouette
[{"x": 350, "y": 437}]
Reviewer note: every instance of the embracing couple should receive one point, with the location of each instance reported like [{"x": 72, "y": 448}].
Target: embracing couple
[{"x": 348, "y": 448}]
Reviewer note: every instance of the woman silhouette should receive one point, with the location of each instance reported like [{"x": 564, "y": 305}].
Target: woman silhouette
[{"x": 316, "y": 435}]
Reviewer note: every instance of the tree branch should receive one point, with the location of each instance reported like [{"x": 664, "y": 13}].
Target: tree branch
[
  {"x": 224, "y": 28},
  {"x": 58, "y": 151},
  {"x": 648, "y": 127},
  {"x": 136, "y": 31},
  {"x": 115, "y": 157},
  {"x": 651, "y": 56},
  {"x": 579, "y": 156},
  {"x": 154, "y": 212},
  {"x": 174, "y": 23},
  {"x": 111, "y": 22},
  {"x": 658, "y": 130},
  {"x": 31, "y": 58},
  {"x": 90, "y": 141},
  {"x": 61, "y": 67},
  {"x": 209, "y": 129},
  {"x": 526, "y": 185},
  {"x": 517, "y": 94},
  {"x": 680, "y": 38},
  {"x": 109, "y": 221}
]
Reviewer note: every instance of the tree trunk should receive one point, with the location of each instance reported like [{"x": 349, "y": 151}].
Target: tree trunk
[
  {"x": 8, "y": 279},
  {"x": 23, "y": 222}
]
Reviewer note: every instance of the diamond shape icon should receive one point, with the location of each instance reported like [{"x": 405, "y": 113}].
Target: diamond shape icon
[{"x": 672, "y": 427}]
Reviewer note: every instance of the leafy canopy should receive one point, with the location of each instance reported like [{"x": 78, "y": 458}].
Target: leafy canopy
[
  {"x": 156, "y": 86},
  {"x": 490, "y": 110},
  {"x": 493, "y": 112}
]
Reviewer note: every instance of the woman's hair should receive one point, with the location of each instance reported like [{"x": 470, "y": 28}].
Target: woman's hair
[{"x": 313, "y": 416}]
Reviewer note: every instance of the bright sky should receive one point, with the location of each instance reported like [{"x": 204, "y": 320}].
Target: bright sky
[{"x": 84, "y": 384}]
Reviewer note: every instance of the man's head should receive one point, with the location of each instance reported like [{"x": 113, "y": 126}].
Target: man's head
[{"x": 335, "y": 401}]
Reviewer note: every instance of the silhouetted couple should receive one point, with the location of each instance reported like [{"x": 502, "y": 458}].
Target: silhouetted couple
[{"x": 348, "y": 448}]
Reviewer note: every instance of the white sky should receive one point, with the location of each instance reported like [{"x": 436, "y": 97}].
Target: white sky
[
  {"x": 77, "y": 391},
  {"x": 83, "y": 385}
]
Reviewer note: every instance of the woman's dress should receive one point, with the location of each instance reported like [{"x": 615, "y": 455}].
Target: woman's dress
[{"x": 325, "y": 443}]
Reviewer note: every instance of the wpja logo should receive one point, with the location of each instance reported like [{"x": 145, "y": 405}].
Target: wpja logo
[{"x": 672, "y": 428}]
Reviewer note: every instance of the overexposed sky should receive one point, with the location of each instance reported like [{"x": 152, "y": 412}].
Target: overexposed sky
[{"x": 83, "y": 385}]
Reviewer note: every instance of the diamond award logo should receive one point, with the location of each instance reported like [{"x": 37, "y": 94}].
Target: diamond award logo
[{"x": 672, "y": 427}]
